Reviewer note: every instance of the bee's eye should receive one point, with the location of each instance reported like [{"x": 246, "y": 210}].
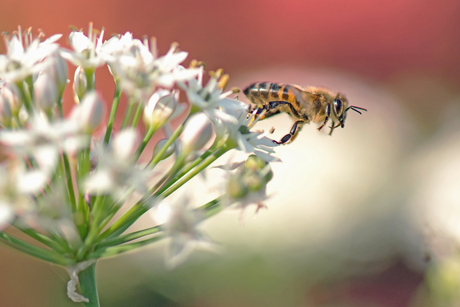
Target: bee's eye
[{"x": 338, "y": 106}]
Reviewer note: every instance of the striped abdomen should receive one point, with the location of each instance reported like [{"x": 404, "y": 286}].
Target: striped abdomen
[
  {"x": 276, "y": 98},
  {"x": 262, "y": 92}
]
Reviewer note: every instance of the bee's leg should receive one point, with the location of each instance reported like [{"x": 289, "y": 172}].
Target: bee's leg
[
  {"x": 291, "y": 133},
  {"x": 332, "y": 128},
  {"x": 324, "y": 123}
]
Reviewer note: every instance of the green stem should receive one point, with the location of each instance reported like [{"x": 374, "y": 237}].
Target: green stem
[
  {"x": 128, "y": 237},
  {"x": 82, "y": 170},
  {"x": 137, "y": 115},
  {"x": 91, "y": 85},
  {"x": 128, "y": 112},
  {"x": 44, "y": 239},
  {"x": 148, "y": 135},
  {"x": 69, "y": 182},
  {"x": 44, "y": 254},
  {"x": 172, "y": 186},
  {"x": 171, "y": 140},
  {"x": 113, "y": 112},
  {"x": 108, "y": 248},
  {"x": 127, "y": 219},
  {"x": 59, "y": 106},
  {"x": 123, "y": 220},
  {"x": 88, "y": 286}
]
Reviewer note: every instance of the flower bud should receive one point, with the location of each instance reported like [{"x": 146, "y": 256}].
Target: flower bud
[
  {"x": 236, "y": 188},
  {"x": 46, "y": 92},
  {"x": 159, "y": 145},
  {"x": 89, "y": 112},
  {"x": 254, "y": 163},
  {"x": 125, "y": 144},
  {"x": 59, "y": 71},
  {"x": 11, "y": 93},
  {"x": 198, "y": 130},
  {"x": 5, "y": 112},
  {"x": 80, "y": 84},
  {"x": 160, "y": 107}
]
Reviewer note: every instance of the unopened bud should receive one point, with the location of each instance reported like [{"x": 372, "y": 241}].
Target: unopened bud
[
  {"x": 11, "y": 93},
  {"x": 59, "y": 69},
  {"x": 90, "y": 112},
  {"x": 5, "y": 112},
  {"x": 80, "y": 84},
  {"x": 160, "y": 108},
  {"x": 198, "y": 131},
  {"x": 46, "y": 92},
  {"x": 159, "y": 145},
  {"x": 236, "y": 188},
  {"x": 254, "y": 163}
]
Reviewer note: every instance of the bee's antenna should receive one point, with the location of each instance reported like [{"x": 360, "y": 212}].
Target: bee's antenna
[{"x": 355, "y": 108}]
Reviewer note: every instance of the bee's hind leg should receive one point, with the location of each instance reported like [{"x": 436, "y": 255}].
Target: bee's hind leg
[{"x": 292, "y": 134}]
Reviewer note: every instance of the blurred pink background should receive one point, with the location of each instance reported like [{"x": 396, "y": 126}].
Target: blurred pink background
[{"x": 411, "y": 48}]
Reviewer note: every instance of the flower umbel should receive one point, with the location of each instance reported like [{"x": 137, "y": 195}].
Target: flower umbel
[{"x": 78, "y": 193}]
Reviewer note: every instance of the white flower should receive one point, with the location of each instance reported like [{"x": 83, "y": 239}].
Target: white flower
[
  {"x": 211, "y": 99},
  {"x": 24, "y": 55},
  {"x": 180, "y": 221},
  {"x": 118, "y": 44},
  {"x": 117, "y": 173},
  {"x": 139, "y": 71},
  {"x": 87, "y": 50},
  {"x": 246, "y": 140},
  {"x": 43, "y": 141}
]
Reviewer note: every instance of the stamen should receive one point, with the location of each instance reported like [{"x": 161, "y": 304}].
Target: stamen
[
  {"x": 90, "y": 31},
  {"x": 193, "y": 64},
  {"x": 153, "y": 47},
  {"x": 219, "y": 73},
  {"x": 202, "y": 64},
  {"x": 20, "y": 35},
  {"x": 236, "y": 90},
  {"x": 223, "y": 81}
]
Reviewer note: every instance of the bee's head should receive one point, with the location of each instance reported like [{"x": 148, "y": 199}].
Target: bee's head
[{"x": 337, "y": 110}]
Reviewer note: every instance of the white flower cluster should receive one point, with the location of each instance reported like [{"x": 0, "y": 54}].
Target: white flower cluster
[{"x": 50, "y": 160}]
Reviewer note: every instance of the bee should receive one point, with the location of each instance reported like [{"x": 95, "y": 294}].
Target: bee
[{"x": 312, "y": 104}]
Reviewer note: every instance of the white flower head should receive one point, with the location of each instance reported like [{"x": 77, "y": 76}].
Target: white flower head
[
  {"x": 180, "y": 222},
  {"x": 87, "y": 50},
  {"x": 247, "y": 184},
  {"x": 140, "y": 71},
  {"x": 25, "y": 54},
  {"x": 211, "y": 99},
  {"x": 117, "y": 173},
  {"x": 247, "y": 140},
  {"x": 43, "y": 140}
]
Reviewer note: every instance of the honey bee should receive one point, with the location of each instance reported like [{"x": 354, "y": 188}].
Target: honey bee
[{"x": 312, "y": 104}]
